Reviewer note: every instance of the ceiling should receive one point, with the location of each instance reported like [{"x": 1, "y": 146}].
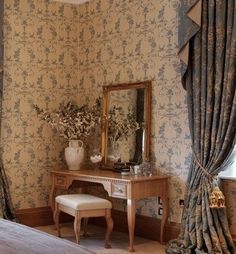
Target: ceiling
[{"x": 71, "y": 1}]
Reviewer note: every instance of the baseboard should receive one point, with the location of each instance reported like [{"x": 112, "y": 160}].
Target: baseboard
[
  {"x": 146, "y": 227},
  {"x": 40, "y": 216}
]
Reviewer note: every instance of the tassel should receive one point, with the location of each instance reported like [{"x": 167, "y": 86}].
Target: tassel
[{"x": 217, "y": 198}]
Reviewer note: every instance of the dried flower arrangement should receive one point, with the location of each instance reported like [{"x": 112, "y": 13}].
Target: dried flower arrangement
[
  {"x": 72, "y": 121},
  {"x": 121, "y": 124}
]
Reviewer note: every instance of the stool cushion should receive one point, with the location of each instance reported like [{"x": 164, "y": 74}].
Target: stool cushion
[{"x": 83, "y": 202}]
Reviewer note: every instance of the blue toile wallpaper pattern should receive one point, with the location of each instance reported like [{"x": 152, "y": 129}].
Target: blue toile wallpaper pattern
[
  {"x": 56, "y": 52},
  {"x": 135, "y": 40},
  {"x": 40, "y": 68}
]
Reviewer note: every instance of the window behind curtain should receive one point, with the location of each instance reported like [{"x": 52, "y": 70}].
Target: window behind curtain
[{"x": 230, "y": 172}]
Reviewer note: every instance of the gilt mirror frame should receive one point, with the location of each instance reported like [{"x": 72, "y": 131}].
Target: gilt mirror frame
[{"x": 147, "y": 86}]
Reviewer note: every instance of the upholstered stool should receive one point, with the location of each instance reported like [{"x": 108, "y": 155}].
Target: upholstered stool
[{"x": 83, "y": 206}]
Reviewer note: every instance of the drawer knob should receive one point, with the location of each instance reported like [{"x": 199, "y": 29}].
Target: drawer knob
[
  {"x": 120, "y": 190},
  {"x": 60, "y": 180}
]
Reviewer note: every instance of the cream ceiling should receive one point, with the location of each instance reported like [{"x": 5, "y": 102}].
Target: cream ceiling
[{"x": 71, "y": 1}]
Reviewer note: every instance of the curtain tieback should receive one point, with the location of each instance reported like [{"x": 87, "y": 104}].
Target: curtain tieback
[
  {"x": 217, "y": 199},
  {"x": 206, "y": 173}
]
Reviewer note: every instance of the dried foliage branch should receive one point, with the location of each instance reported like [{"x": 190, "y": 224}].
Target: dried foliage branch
[
  {"x": 121, "y": 124},
  {"x": 72, "y": 121}
]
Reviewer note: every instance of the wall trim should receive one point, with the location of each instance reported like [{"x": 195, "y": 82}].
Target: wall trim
[
  {"x": 40, "y": 216},
  {"x": 146, "y": 227}
]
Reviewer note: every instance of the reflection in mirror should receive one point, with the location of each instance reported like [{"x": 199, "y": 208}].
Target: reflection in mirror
[
  {"x": 125, "y": 120},
  {"x": 126, "y": 125}
]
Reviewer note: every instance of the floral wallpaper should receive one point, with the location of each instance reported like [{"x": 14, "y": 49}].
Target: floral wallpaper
[
  {"x": 40, "y": 68},
  {"x": 55, "y": 52},
  {"x": 124, "y": 41}
]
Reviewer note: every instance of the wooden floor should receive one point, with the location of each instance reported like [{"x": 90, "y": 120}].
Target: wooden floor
[{"x": 95, "y": 241}]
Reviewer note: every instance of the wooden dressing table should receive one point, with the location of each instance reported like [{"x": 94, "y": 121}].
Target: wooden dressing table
[{"x": 130, "y": 188}]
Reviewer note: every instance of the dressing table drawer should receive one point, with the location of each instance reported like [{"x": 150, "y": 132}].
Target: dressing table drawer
[
  {"x": 118, "y": 190},
  {"x": 60, "y": 181}
]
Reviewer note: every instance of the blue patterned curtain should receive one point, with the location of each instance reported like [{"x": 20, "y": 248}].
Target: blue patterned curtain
[
  {"x": 6, "y": 203},
  {"x": 207, "y": 39}
]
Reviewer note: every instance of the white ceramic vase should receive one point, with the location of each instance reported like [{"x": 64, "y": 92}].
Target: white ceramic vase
[{"x": 74, "y": 154}]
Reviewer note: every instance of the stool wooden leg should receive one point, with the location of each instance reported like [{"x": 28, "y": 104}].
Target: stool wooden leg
[
  {"x": 56, "y": 216},
  {"x": 85, "y": 233},
  {"x": 109, "y": 228},
  {"x": 77, "y": 225}
]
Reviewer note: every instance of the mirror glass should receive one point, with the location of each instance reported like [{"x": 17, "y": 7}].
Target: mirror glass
[{"x": 126, "y": 125}]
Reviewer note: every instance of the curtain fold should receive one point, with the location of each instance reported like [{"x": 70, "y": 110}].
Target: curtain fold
[
  {"x": 6, "y": 207},
  {"x": 210, "y": 81}
]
